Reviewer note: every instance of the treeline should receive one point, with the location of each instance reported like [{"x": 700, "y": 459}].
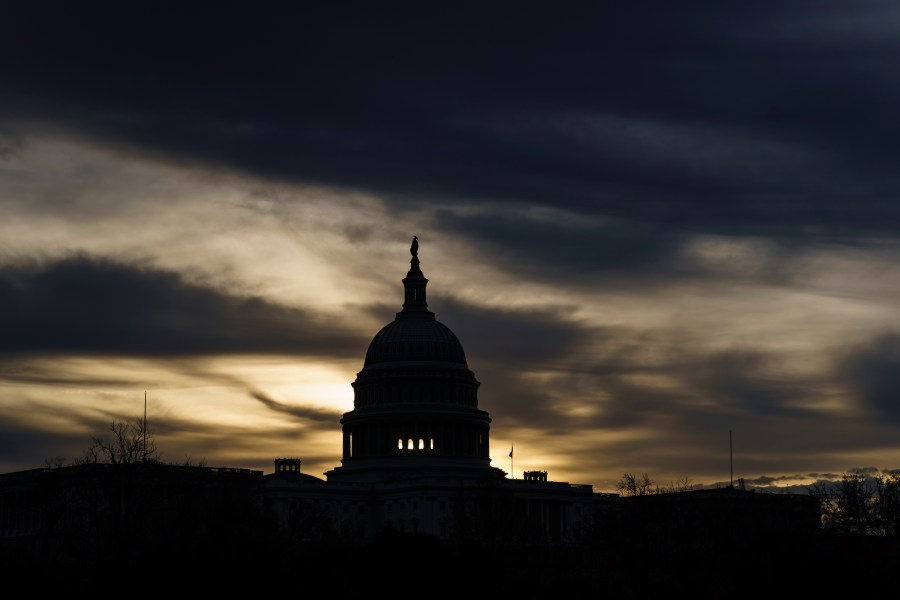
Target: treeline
[
  {"x": 860, "y": 503},
  {"x": 119, "y": 518}
]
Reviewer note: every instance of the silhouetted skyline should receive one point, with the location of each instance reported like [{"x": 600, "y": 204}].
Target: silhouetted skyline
[{"x": 648, "y": 226}]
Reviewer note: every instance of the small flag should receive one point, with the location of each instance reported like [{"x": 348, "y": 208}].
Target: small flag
[{"x": 510, "y": 451}]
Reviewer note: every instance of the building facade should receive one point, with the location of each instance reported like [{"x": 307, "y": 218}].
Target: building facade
[{"x": 416, "y": 449}]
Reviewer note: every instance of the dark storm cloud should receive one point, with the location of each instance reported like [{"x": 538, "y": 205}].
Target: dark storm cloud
[
  {"x": 704, "y": 388},
  {"x": 10, "y": 144},
  {"x": 536, "y": 246},
  {"x": 303, "y": 413},
  {"x": 18, "y": 440},
  {"x": 513, "y": 337},
  {"x": 513, "y": 400},
  {"x": 775, "y": 415},
  {"x": 98, "y": 306},
  {"x": 704, "y": 391},
  {"x": 506, "y": 347},
  {"x": 725, "y": 117},
  {"x": 744, "y": 380},
  {"x": 54, "y": 374},
  {"x": 872, "y": 372}
]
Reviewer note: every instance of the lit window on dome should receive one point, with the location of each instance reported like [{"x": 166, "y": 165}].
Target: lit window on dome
[
  {"x": 409, "y": 444},
  {"x": 421, "y": 444},
  {"x": 399, "y": 444},
  {"x": 431, "y": 444}
]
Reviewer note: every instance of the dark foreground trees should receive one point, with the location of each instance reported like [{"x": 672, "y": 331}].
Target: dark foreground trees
[
  {"x": 120, "y": 514},
  {"x": 860, "y": 503},
  {"x": 642, "y": 485}
]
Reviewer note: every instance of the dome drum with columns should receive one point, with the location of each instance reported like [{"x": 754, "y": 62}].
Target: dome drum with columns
[{"x": 415, "y": 400}]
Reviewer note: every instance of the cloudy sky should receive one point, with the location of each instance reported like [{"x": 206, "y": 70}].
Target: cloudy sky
[{"x": 651, "y": 224}]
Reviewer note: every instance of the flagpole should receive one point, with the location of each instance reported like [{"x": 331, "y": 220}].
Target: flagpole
[
  {"x": 730, "y": 459},
  {"x": 512, "y": 473}
]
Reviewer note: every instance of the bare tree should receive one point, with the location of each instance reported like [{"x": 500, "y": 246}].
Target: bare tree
[
  {"x": 642, "y": 485},
  {"x": 633, "y": 485},
  {"x": 849, "y": 505},
  {"x": 887, "y": 503},
  {"x": 681, "y": 485},
  {"x": 119, "y": 488},
  {"x": 130, "y": 443}
]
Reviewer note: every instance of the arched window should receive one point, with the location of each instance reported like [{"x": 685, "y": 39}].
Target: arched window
[
  {"x": 399, "y": 443},
  {"x": 431, "y": 443},
  {"x": 409, "y": 444},
  {"x": 421, "y": 444}
]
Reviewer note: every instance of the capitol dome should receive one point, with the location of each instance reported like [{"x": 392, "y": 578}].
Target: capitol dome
[
  {"x": 415, "y": 400},
  {"x": 415, "y": 339}
]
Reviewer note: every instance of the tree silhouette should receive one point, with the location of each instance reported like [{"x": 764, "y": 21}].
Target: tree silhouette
[
  {"x": 634, "y": 485},
  {"x": 847, "y": 507},
  {"x": 860, "y": 503},
  {"x": 887, "y": 505}
]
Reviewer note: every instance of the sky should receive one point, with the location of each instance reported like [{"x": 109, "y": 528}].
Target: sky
[{"x": 665, "y": 233}]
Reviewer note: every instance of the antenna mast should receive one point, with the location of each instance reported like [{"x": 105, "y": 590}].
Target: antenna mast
[{"x": 730, "y": 460}]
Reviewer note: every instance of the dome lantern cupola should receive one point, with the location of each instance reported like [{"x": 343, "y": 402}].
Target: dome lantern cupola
[{"x": 414, "y": 285}]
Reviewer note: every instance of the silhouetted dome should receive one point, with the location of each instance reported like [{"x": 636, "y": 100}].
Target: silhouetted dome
[
  {"x": 417, "y": 338},
  {"x": 415, "y": 401}
]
